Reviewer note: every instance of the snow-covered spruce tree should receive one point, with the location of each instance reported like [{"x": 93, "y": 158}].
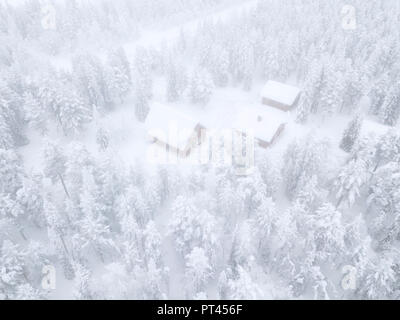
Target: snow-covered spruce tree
[
  {"x": 94, "y": 227},
  {"x": 6, "y": 138},
  {"x": 191, "y": 227},
  {"x": 72, "y": 112},
  {"x": 383, "y": 202},
  {"x": 331, "y": 96},
  {"x": 379, "y": 280},
  {"x": 57, "y": 232},
  {"x": 390, "y": 111},
  {"x": 201, "y": 87},
  {"x": 142, "y": 84},
  {"x": 54, "y": 164},
  {"x": 219, "y": 65},
  {"x": 243, "y": 286},
  {"x": 350, "y": 181},
  {"x": 351, "y": 133},
  {"x": 35, "y": 113},
  {"x": 12, "y": 269},
  {"x": 377, "y": 94},
  {"x": 309, "y": 96},
  {"x": 311, "y": 195},
  {"x": 228, "y": 202},
  {"x": 326, "y": 233},
  {"x": 118, "y": 75},
  {"x": 353, "y": 87},
  {"x": 270, "y": 173},
  {"x": 82, "y": 289},
  {"x": 90, "y": 79},
  {"x": 78, "y": 160},
  {"x": 176, "y": 80},
  {"x": 11, "y": 103},
  {"x": 302, "y": 161},
  {"x": 137, "y": 205},
  {"x": 244, "y": 246},
  {"x": 251, "y": 191},
  {"x": 153, "y": 192},
  {"x": 152, "y": 244},
  {"x": 388, "y": 148},
  {"x": 11, "y": 210},
  {"x": 110, "y": 184},
  {"x": 198, "y": 270},
  {"x": 172, "y": 83},
  {"x": 11, "y": 172},
  {"x": 31, "y": 199},
  {"x": 264, "y": 223}
]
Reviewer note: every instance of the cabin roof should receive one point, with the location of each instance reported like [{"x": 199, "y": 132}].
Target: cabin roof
[
  {"x": 262, "y": 123},
  {"x": 170, "y": 126},
  {"x": 280, "y": 92}
]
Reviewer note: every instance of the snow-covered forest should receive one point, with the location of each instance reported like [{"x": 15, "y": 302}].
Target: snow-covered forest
[{"x": 84, "y": 214}]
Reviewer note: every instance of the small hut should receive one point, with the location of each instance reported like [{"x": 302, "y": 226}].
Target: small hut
[
  {"x": 173, "y": 130},
  {"x": 265, "y": 126}
]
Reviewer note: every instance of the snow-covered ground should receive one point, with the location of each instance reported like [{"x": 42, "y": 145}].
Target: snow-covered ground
[{"x": 80, "y": 192}]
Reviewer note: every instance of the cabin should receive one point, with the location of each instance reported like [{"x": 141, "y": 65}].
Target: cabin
[
  {"x": 267, "y": 127},
  {"x": 173, "y": 130},
  {"x": 280, "y": 95}
]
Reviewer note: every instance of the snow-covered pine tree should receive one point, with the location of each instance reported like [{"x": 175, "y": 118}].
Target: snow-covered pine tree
[
  {"x": 6, "y": 138},
  {"x": 90, "y": 79},
  {"x": 351, "y": 133},
  {"x": 264, "y": 223},
  {"x": 201, "y": 87},
  {"x": 31, "y": 199},
  {"x": 379, "y": 280},
  {"x": 73, "y": 113},
  {"x": 350, "y": 181},
  {"x": 11, "y": 172},
  {"x": 388, "y": 148},
  {"x": 302, "y": 161},
  {"x": 198, "y": 269},
  {"x": 54, "y": 164},
  {"x": 118, "y": 75},
  {"x": 94, "y": 227},
  {"x": 142, "y": 84},
  {"x": 12, "y": 269},
  {"x": 326, "y": 233},
  {"x": 309, "y": 97},
  {"x": 11, "y": 118},
  {"x": 152, "y": 243},
  {"x": 82, "y": 283},
  {"x": 383, "y": 201},
  {"x": 390, "y": 111},
  {"x": 243, "y": 286},
  {"x": 35, "y": 113},
  {"x": 219, "y": 65},
  {"x": 377, "y": 94},
  {"x": 331, "y": 96}
]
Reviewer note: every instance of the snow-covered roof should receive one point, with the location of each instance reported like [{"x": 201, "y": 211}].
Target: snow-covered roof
[
  {"x": 262, "y": 123},
  {"x": 280, "y": 92},
  {"x": 169, "y": 125}
]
